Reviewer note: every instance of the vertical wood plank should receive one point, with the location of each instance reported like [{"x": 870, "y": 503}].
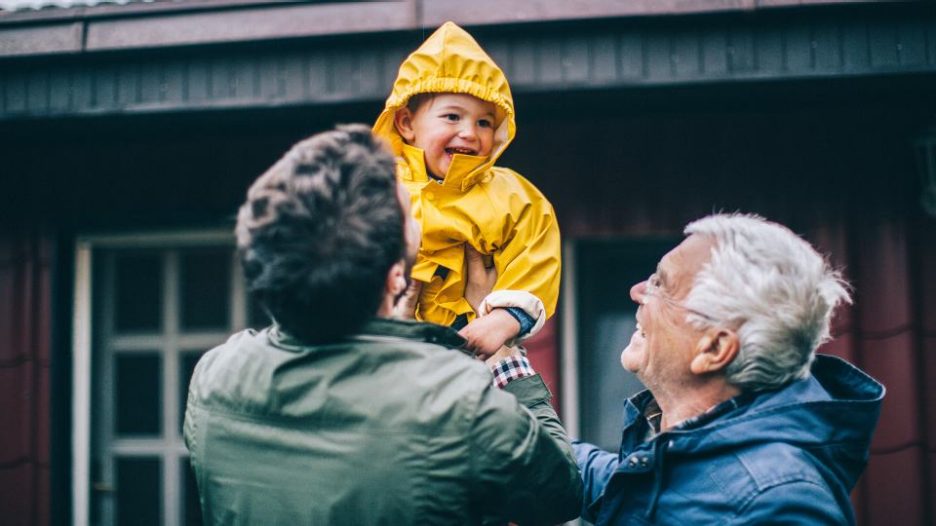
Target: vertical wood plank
[
  {"x": 575, "y": 61},
  {"x": 911, "y": 43},
  {"x": 604, "y": 60},
  {"x": 714, "y": 52},
  {"x": 856, "y": 53},
  {"x": 522, "y": 63},
  {"x": 827, "y": 48},
  {"x": 741, "y": 50},
  {"x": 632, "y": 62},
  {"x": 549, "y": 58},
  {"x": 882, "y": 39}
]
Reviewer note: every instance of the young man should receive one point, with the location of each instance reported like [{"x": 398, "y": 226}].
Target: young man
[{"x": 339, "y": 415}]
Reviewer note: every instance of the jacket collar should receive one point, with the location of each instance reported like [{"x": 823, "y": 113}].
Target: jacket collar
[
  {"x": 832, "y": 387},
  {"x": 833, "y": 412},
  {"x": 379, "y": 329},
  {"x": 464, "y": 170}
]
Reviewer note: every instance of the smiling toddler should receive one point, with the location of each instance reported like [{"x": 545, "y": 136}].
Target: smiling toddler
[{"x": 448, "y": 119}]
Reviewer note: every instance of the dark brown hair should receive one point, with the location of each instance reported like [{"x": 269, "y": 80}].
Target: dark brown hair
[{"x": 319, "y": 232}]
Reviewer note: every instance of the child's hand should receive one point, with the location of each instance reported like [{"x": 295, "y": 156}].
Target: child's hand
[{"x": 487, "y": 334}]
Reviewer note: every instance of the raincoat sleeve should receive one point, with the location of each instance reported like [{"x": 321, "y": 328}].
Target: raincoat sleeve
[
  {"x": 597, "y": 467},
  {"x": 521, "y": 457},
  {"x": 529, "y": 264}
]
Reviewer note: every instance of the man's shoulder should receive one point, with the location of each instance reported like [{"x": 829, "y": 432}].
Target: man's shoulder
[
  {"x": 362, "y": 366},
  {"x": 241, "y": 349},
  {"x": 428, "y": 353},
  {"x": 234, "y": 348},
  {"x": 430, "y": 362},
  {"x": 738, "y": 478},
  {"x": 748, "y": 470}
]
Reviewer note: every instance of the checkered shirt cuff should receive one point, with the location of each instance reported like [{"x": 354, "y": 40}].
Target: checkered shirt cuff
[{"x": 511, "y": 368}]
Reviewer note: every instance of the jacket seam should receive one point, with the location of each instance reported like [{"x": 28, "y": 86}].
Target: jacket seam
[
  {"x": 746, "y": 503},
  {"x": 473, "y": 448}
]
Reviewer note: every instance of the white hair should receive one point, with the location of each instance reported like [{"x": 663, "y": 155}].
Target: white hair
[{"x": 773, "y": 288}]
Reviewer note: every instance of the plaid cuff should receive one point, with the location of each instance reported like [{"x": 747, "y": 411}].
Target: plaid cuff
[{"x": 511, "y": 368}]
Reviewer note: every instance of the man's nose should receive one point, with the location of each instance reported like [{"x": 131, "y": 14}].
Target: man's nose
[{"x": 638, "y": 291}]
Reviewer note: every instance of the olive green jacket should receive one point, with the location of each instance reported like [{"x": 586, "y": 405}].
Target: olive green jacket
[{"x": 393, "y": 426}]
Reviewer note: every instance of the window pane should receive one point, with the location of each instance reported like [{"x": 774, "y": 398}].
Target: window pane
[
  {"x": 139, "y": 491},
  {"x": 605, "y": 272},
  {"x": 187, "y": 363},
  {"x": 138, "y": 284},
  {"x": 205, "y": 288},
  {"x": 138, "y": 394},
  {"x": 193, "y": 516}
]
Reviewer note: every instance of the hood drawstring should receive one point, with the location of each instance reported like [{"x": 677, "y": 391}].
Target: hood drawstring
[{"x": 658, "y": 474}]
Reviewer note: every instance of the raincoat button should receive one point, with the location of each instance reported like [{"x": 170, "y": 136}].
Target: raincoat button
[
  {"x": 643, "y": 462},
  {"x": 430, "y": 196},
  {"x": 632, "y": 462}
]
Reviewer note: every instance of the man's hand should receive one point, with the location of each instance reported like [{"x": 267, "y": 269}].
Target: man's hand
[
  {"x": 503, "y": 352},
  {"x": 479, "y": 277},
  {"x": 487, "y": 334}
]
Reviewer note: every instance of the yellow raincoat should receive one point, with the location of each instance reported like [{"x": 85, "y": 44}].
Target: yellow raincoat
[{"x": 493, "y": 209}]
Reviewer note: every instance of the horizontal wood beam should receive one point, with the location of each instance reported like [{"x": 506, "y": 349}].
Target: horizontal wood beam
[{"x": 618, "y": 54}]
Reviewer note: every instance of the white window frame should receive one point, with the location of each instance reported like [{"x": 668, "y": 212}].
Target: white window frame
[
  {"x": 569, "y": 346},
  {"x": 82, "y": 336}
]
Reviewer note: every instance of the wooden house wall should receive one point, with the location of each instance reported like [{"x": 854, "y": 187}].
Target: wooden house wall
[
  {"x": 808, "y": 120},
  {"x": 616, "y": 53},
  {"x": 25, "y": 377},
  {"x": 839, "y": 170}
]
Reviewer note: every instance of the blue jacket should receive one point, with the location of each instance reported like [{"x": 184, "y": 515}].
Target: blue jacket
[{"x": 789, "y": 456}]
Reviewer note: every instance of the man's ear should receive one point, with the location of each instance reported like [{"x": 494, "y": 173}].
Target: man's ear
[
  {"x": 403, "y": 121},
  {"x": 396, "y": 280},
  {"x": 716, "y": 349}
]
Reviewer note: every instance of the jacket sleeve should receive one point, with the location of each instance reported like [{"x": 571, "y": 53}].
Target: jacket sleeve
[
  {"x": 521, "y": 457},
  {"x": 530, "y": 260},
  {"x": 795, "y": 502},
  {"x": 597, "y": 466}
]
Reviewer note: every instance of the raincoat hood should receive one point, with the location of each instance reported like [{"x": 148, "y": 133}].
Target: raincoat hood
[
  {"x": 787, "y": 456},
  {"x": 833, "y": 413},
  {"x": 450, "y": 61}
]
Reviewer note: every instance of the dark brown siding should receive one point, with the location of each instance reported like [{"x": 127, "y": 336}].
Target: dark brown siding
[{"x": 24, "y": 378}]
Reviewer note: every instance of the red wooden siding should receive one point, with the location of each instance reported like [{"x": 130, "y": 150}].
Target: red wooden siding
[
  {"x": 542, "y": 350},
  {"x": 845, "y": 180},
  {"x": 623, "y": 164},
  {"x": 24, "y": 379}
]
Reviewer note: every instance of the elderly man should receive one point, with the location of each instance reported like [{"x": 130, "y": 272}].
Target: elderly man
[
  {"x": 339, "y": 415},
  {"x": 741, "y": 422}
]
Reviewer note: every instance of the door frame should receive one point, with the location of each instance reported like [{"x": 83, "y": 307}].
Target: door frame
[{"x": 82, "y": 327}]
